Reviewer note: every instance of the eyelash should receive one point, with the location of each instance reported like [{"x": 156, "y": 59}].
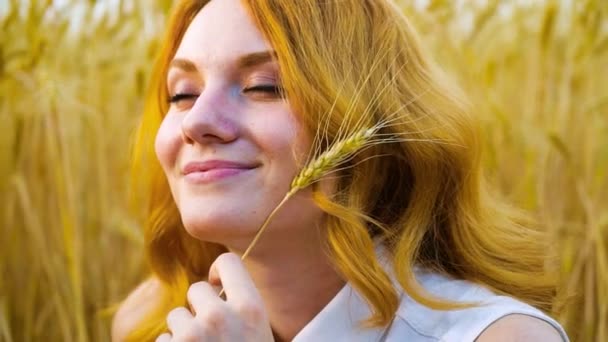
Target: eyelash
[
  {"x": 273, "y": 89},
  {"x": 265, "y": 88},
  {"x": 178, "y": 97}
]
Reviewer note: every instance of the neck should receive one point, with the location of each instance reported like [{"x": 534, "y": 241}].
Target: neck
[{"x": 295, "y": 280}]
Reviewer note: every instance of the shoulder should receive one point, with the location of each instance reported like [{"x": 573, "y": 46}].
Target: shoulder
[
  {"x": 134, "y": 308},
  {"x": 520, "y": 328},
  {"x": 491, "y": 315}
]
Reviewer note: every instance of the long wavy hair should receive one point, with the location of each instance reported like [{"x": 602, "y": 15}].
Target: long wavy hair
[{"x": 425, "y": 199}]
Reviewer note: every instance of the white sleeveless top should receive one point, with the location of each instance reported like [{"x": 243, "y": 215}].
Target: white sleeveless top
[{"x": 339, "y": 320}]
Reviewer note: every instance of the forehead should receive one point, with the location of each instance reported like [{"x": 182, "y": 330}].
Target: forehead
[{"x": 221, "y": 32}]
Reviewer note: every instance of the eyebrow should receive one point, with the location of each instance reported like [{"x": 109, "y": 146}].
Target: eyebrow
[
  {"x": 256, "y": 58},
  {"x": 245, "y": 61},
  {"x": 183, "y": 64}
]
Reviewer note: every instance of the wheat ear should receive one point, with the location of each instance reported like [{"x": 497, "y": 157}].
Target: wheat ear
[{"x": 338, "y": 153}]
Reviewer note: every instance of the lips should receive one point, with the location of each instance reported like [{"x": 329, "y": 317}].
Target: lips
[
  {"x": 215, "y": 164},
  {"x": 214, "y": 170}
]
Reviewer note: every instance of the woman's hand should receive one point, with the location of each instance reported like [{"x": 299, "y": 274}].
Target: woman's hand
[{"x": 241, "y": 317}]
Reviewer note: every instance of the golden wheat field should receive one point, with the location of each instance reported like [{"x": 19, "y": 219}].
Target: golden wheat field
[{"x": 72, "y": 77}]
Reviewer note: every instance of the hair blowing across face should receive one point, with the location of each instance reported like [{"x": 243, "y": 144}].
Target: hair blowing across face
[{"x": 353, "y": 62}]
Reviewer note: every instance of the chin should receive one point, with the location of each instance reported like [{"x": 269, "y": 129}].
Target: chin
[{"x": 216, "y": 226}]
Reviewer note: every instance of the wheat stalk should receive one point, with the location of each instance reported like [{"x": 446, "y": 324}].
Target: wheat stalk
[{"x": 337, "y": 154}]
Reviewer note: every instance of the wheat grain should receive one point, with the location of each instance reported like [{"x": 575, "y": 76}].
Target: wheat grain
[{"x": 333, "y": 157}]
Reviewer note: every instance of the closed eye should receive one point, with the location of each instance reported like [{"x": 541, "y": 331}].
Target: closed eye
[
  {"x": 268, "y": 89},
  {"x": 179, "y": 97}
]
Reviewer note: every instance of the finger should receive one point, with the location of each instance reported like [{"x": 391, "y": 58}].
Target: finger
[
  {"x": 212, "y": 315},
  {"x": 202, "y": 296},
  {"x": 178, "y": 319},
  {"x": 242, "y": 296},
  {"x": 166, "y": 337},
  {"x": 236, "y": 281}
]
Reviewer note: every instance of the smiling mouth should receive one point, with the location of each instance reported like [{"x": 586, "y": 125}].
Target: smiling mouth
[
  {"x": 213, "y": 175},
  {"x": 214, "y": 170}
]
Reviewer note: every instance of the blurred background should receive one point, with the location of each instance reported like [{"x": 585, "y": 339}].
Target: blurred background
[{"x": 72, "y": 78}]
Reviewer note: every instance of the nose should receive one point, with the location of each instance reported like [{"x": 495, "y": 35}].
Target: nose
[{"x": 211, "y": 119}]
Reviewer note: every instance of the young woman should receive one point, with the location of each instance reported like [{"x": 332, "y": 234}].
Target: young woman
[{"x": 401, "y": 242}]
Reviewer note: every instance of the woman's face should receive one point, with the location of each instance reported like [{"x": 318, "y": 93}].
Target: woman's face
[{"x": 230, "y": 144}]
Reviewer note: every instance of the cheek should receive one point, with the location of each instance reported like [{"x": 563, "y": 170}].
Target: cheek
[
  {"x": 302, "y": 144},
  {"x": 167, "y": 142},
  {"x": 300, "y": 140},
  {"x": 284, "y": 139}
]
